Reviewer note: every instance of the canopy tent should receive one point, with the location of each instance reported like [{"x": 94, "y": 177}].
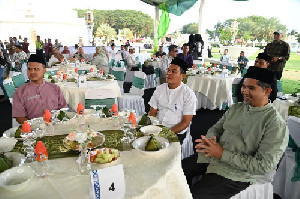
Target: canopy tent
[{"x": 176, "y": 7}]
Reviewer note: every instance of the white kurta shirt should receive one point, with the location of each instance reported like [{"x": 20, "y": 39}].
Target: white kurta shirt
[
  {"x": 131, "y": 61},
  {"x": 172, "y": 104}
]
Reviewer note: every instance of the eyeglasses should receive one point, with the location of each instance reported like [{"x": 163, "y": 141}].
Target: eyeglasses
[{"x": 176, "y": 51}]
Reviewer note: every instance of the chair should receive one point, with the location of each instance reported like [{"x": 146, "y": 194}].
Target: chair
[
  {"x": 286, "y": 181},
  {"x": 279, "y": 88},
  {"x": 235, "y": 84},
  {"x": 18, "y": 79},
  {"x": 187, "y": 145},
  {"x": 157, "y": 75},
  {"x": 99, "y": 96},
  {"x": 134, "y": 100},
  {"x": 119, "y": 73},
  {"x": 9, "y": 88}
]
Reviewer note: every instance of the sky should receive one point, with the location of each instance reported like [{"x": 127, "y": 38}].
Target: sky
[{"x": 287, "y": 11}]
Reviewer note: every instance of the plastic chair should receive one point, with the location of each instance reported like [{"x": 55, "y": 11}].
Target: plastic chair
[
  {"x": 279, "y": 88},
  {"x": 119, "y": 73},
  {"x": 9, "y": 88}
]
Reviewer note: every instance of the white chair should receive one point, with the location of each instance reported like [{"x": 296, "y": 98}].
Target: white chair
[
  {"x": 262, "y": 189},
  {"x": 99, "y": 96},
  {"x": 18, "y": 79},
  {"x": 134, "y": 100},
  {"x": 283, "y": 185},
  {"x": 119, "y": 73},
  {"x": 187, "y": 148}
]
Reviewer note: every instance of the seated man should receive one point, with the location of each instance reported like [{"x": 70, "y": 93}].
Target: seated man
[
  {"x": 174, "y": 103},
  {"x": 79, "y": 55},
  {"x": 188, "y": 58},
  {"x": 262, "y": 61},
  {"x": 66, "y": 51},
  {"x": 55, "y": 58},
  {"x": 165, "y": 62},
  {"x": 32, "y": 99},
  {"x": 244, "y": 145}
]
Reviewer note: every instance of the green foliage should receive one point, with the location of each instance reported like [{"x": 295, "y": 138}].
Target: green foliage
[
  {"x": 126, "y": 33},
  {"x": 139, "y": 23},
  {"x": 252, "y": 27},
  {"x": 289, "y": 86},
  {"x": 104, "y": 30},
  {"x": 191, "y": 28},
  {"x": 293, "y": 62},
  {"x": 226, "y": 36}
]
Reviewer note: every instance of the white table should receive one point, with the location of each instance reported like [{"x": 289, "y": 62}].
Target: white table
[
  {"x": 147, "y": 176},
  {"x": 211, "y": 91},
  {"x": 74, "y": 95},
  {"x": 70, "y": 68}
]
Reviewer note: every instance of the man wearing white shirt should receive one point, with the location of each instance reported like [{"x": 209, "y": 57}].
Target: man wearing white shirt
[
  {"x": 174, "y": 103},
  {"x": 225, "y": 58},
  {"x": 165, "y": 62},
  {"x": 125, "y": 52},
  {"x": 132, "y": 63},
  {"x": 113, "y": 52}
]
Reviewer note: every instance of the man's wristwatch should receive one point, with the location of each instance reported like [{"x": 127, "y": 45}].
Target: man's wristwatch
[{"x": 279, "y": 58}]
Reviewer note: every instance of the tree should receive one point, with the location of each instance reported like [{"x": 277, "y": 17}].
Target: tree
[
  {"x": 191, "y": 28},
  {"x": 104, "y": 30},
  {"x": 126, "y": 33},
  {"x": 211, "y": 33},
  {"x": 139, "y": 23},
  {"x": 226, "y": 36}
]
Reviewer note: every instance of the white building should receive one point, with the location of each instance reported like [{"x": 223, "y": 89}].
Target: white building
[{"x": 29, "y": 18}]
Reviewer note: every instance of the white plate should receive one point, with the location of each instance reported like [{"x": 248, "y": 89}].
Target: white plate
[
  {"x": 16, "y": 178},
  {"x": 151, "y": 129},
  {"x": 141, "y": 142}
]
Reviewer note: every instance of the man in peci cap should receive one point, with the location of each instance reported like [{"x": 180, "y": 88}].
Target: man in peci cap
[
  {"x": 262, "y": 61},
  {"x": 32, "y": 99},
  {"x": 243, "y": 146},
  {"x": 174, "y": 103},
  {"x": 279, "y": 51}
]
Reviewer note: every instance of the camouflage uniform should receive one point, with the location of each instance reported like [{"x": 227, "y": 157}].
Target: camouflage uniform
[{"x": 280, "y": 50}]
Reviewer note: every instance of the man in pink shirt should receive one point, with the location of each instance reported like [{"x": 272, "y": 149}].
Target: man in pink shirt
[{"x": 32, "y": 99}]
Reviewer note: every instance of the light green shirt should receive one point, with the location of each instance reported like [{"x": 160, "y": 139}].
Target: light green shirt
[{"x": 253, "y": 139}]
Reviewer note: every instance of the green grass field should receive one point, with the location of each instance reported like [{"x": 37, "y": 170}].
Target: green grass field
[{"x": 291, "y": 73}]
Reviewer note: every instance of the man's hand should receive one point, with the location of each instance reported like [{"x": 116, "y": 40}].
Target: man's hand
[
  {"x": 274, "y": 59},
  {"x": 209, "y": 147}
]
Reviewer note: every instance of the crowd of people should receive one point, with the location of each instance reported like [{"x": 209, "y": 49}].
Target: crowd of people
[{"x": 243, "y": 146}]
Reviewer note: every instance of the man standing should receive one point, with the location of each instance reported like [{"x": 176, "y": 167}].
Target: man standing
[
  {"x": 19, "y": 57},
  {"x": 225, "y": 58},
  {"x": 48, "y": 50},
  {"x": 32, "y": 99},
  {"x": 57, "y": 45},
  {"x": 244, "y": 145},
  {"x": 242, "y": 61},
  {"x": 39, "y": 46},
  {"x": 174, "y": 103},
  {"x": 185, "y": 56},
  {"x": 279, "y": 51},
  {"x": 25, "y": 46},
  {"x": 160, "y": 52},
  {"x": 165, "y": 62},
  {"x": 132, "y": 63}
]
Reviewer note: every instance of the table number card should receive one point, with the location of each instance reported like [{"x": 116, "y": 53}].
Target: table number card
[
  {"x": 82, "y": 81},
  {"x": 108, "y": 183}
]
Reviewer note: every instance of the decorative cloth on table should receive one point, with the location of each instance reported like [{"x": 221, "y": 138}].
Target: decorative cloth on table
[
  {"x": 279, "y": 88},
  {"x": 227, "y": 67},
  {"x": 18, "y": 79},
  {"x": 9, "y": 88},
  {"x": 83, "y": 71},
  {"x": 100, "y": 96}
]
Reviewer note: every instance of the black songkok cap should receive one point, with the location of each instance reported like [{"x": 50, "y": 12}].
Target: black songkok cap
[
  {"x": 37, "y": 58},
  {"x": 179, "y": 62},
  {"x": 264, "y": 56},
  {"x": 260, "y": 74}
]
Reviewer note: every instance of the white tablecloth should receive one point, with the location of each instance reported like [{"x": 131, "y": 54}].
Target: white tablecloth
[
  {"x": 74, "y": 95},
  {"x": 70, "y": 68},
  {"x": 157, "y": 175},
  {"x": 217, "y": 90}
]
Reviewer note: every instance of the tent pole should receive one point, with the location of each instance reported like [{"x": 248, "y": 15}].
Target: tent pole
[
  {"x": 156, "y": 22},
  {"x": 202, "y": 28}
]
